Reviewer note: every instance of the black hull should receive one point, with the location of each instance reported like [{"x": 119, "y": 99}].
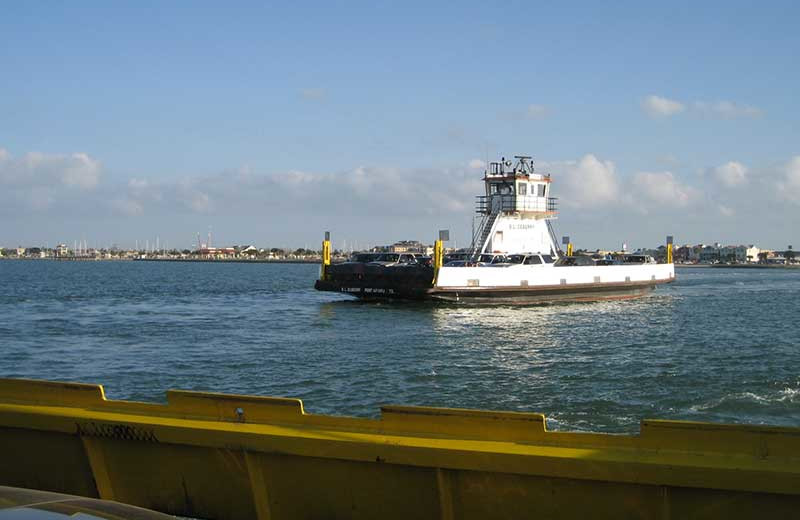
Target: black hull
[
  {"x": 369, "y": 282},
  {"x": 545, "y": 294}
]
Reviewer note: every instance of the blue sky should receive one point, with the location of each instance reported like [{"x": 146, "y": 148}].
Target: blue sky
[{"x": 271, "y": 123}]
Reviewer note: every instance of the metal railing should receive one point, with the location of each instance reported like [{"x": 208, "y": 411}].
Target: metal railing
[{"x": 496, "y": 203}]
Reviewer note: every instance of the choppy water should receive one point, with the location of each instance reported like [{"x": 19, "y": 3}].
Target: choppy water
[{"x": 718, "y": 345}]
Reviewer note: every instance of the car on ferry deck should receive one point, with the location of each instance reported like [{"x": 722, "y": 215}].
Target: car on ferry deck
[
  {"x": 363, "y": 258},
  {"x": 636, "y": 259},
  {"x": 424, "y": 260},
  {"x": 456, "y": 257},
  {"x": 577, "y": 260},
  {"x": 392, "y": 259},
  {"x": 491, "y": 259},
  {"x": 526, "y": 259}
]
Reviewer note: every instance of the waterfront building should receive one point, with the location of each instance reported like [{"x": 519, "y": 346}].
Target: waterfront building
[
  {"x": 407, "y": 246},
  {"x": 217, "y": 252},
  {"x": 709, "y": 254}
]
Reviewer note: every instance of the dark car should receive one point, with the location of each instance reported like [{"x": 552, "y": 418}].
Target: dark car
[
  {"x": 456, "y": 257},
  {"x": 390, "y": 259},
  {"x": 363, "y": 258},
  {"x": 425, "y": 261},
  {"x": 568, "y": 261}
]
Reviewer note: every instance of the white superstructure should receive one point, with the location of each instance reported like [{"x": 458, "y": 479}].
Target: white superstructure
[{"x": 516, "y": 211}]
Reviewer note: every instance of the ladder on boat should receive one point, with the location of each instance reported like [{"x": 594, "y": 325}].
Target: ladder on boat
[{"x": 485, "y": 230}]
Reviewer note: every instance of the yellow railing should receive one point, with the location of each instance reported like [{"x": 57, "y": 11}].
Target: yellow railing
[
  {"x": 231, "y": 457},
  {"x": 326, "y": 259},
  {"x": 438, "y": 259}
]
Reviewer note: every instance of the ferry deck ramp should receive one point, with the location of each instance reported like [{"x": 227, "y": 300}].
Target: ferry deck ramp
[{"x": 231, "y": 457}]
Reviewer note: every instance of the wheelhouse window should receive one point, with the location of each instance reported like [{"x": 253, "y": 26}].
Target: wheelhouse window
[
  {"x": 541, "y": 189},
  {"x": 533, "y": 260},
  {"x": 522, "y": 188},
  {"x": 548, "y": 259}
]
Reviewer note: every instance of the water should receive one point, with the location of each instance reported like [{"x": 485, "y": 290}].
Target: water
[{"x": 718, "y": 345}]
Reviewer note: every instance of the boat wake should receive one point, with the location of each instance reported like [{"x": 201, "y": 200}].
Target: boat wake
[{"x": 787, "y": 397}]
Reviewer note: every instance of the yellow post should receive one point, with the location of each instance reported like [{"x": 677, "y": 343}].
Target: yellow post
[
  {"x": 326, "y": 256},
  {"x": 438, "y": 259},
  {"x": 669, "y": 253},
  {"x": 569, "y": 249}
]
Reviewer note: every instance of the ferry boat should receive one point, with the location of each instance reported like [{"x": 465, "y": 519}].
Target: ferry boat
[{"x": 514, "y": 257}]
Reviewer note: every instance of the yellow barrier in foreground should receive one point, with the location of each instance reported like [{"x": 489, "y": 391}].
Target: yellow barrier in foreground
[{"x": 236, "y": 457}]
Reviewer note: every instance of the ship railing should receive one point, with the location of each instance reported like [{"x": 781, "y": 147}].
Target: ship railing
[{"x": 485, "y": 205}]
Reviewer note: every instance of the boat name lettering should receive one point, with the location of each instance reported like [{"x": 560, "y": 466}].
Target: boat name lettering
[
  {"x": 367, "y": 290},
  {"x": 521, "y": 226}
]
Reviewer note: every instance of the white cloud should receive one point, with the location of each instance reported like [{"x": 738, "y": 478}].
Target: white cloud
[
  {"x": 530, "y": 112},
  {"x": 725, "y": 211},
  {"x": 82, "y": 171},
  {"x": 314, "y": 94},
  {"x": 37, "y": 169},
  {"x": 36, "y": 181},
  {"x": 138, "y": 184},
  {"x": 126, "y": 207},
  {"x": 592, "y": 191},
  {"x": 789, "y": 183},
  {"x": 369, "y": 191},
  {"x": 661, "y": 188},
  {"x": 588, "y": 182},
  {"x": 726, "y": 109},
  {"x": 731, "y": 174},
  {"x": 656, "y": 106},
  {"x": 536, "y": 111}
]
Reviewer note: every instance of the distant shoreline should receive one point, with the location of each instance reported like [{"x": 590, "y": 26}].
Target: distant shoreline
[
  {"x": 227, "y": 261},
  {"x": 318, "y": 261},
  {"x": 735, "y": 266},
  {"x": 186, "y": 260}
]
